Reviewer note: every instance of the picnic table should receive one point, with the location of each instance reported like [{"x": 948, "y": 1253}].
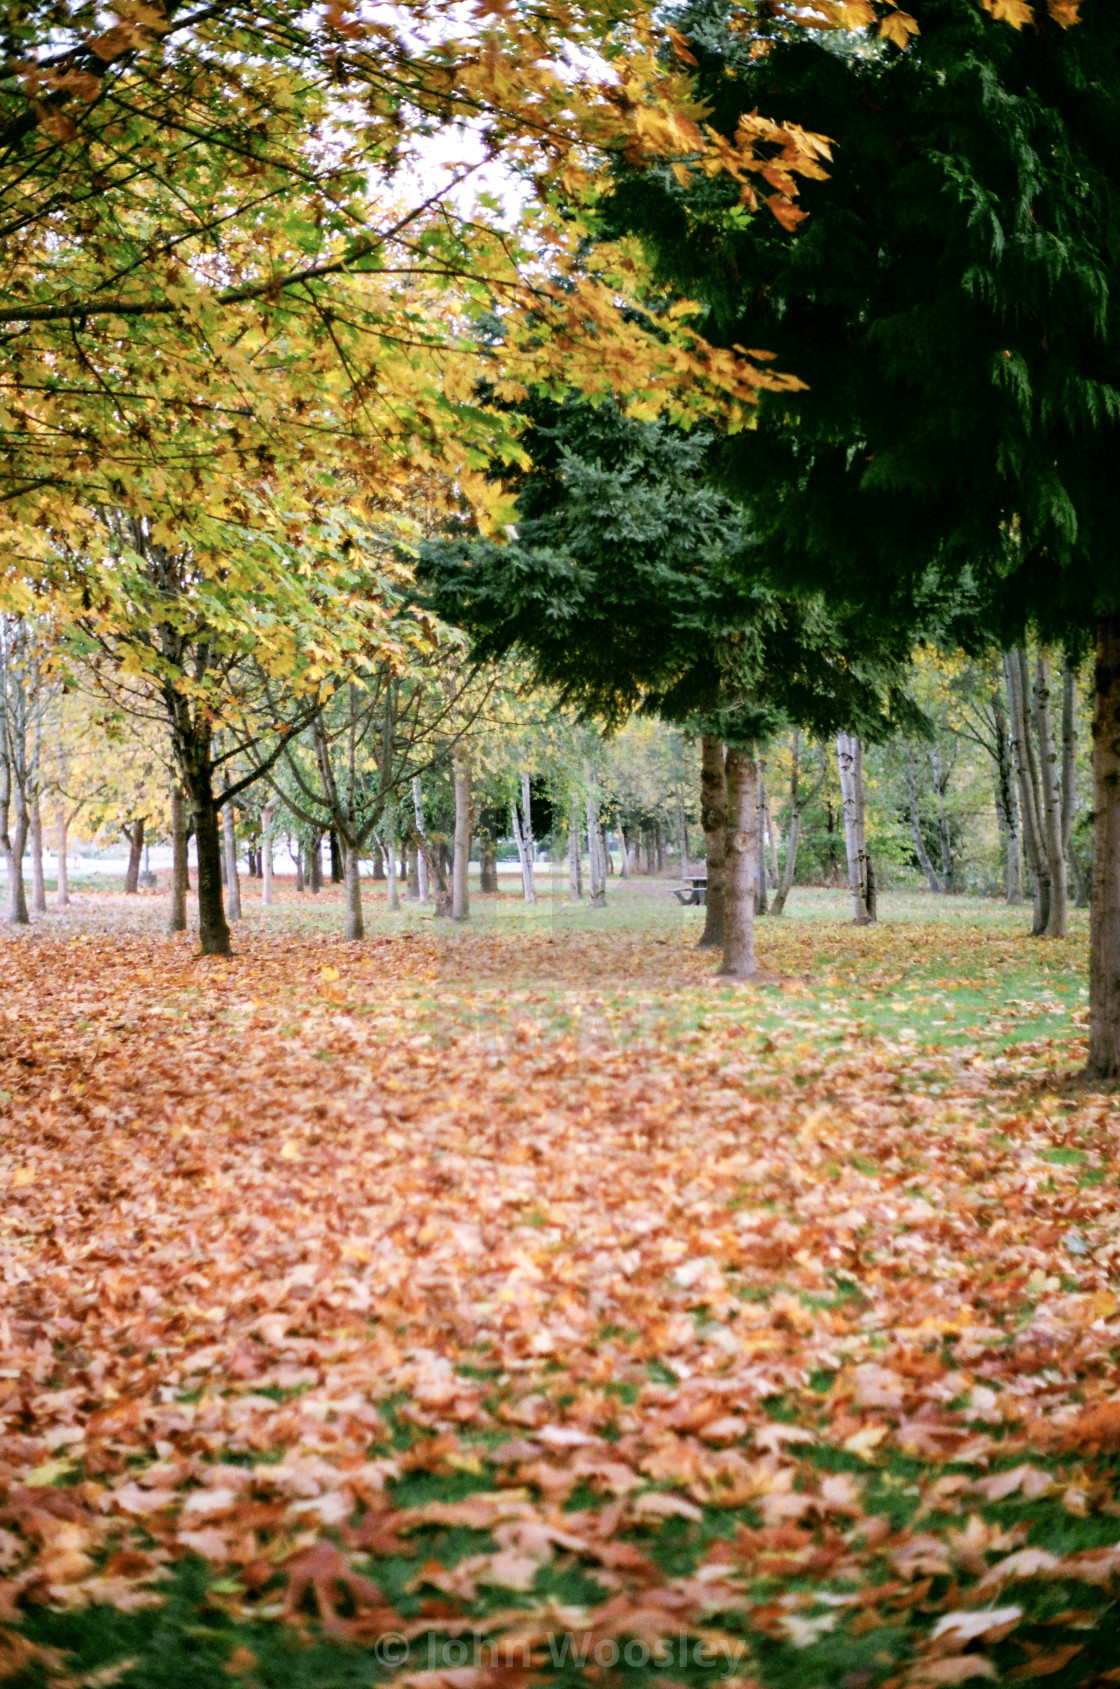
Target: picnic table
[{"x": 697, "y": 891}]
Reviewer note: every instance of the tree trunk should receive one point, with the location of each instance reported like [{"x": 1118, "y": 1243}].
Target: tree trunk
[
  {"x": 682, "y": 838},
  {"x": 487, "y": 868},
  {"x": 378, "y": 860},
  {"x": 762, "y": 896},
  {"x": 596, "y": 867},
  {"x": 352, "y": 880},
  {"x": 213, "y": 931},
  {"x": 1007, "y": 809},
  {"x": 15, "y": 847},
  {"x": 740, "y": 857},
  {"x": 436, "y": 877},
  {"x": 315, "y": 865},
  {"x": 229, "y": 840},
  {"x": 414, "y": 867},
  {"x": 135, "y": 836},
  {"x": 790, "y": 868},
  {"x": 524, "y": 856},
  {"x": 392, "y": 865},
  {"x": 575, "y": 867},
  {"x": 298, "y": 860},
  {"x": 338, "y": 872},
  {"x": 1104, "y": 921},
  {"x": 460, "y": 893},
  {"x": 623, "y": 854},
  {"x": 177, "y": 917},
  {"x": 849, "y": 761},
  {"x": 1019, "y": 691},
  {"x": 38, "y": 879},
  {"x": 1051, "y": 778},
  {"x": 1069, "y": 778},
  {"x": 268, "y": 814},
  {"x": 944, "y": 836},
  {"x": 61, "y": 829},
  {"x": 421, "y": 855},
  {"x": 713, "y": 819}
]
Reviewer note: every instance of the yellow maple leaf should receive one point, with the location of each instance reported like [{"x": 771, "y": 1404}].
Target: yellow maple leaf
[
  {"x": 1015, "y": 12},
  {"x": 898, "y": 27}
]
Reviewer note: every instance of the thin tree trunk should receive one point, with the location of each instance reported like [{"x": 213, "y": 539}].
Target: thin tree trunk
[
  {"x": 849, "y": 763},
  {"x": 713, "y": 819},
  {"x": 524, "y": 854},
  {"x": 1007, "y": 807},
  {"x": 460, "y": 892},
  {"x": 314, "y": 865},
  {"x": 575, "y": 867},
  {"x": 378, "y": 860},
  {"x": 15, "y": 847},
  {"x": 762, "y": 896},
  {"x": 338, "y": 872},
  {"x": 739, "y": 865},
  {"x": 436, "y": 877},
  {"x": 1104, "y": 921},
  {"x": 682, "y": 837},
  {"x": 1030, "y": 743},
  {"x": 38, "y": 879},
  {"x": 1069, "y": 778},
  {"x": 61, "y": 830},
  {"x": 624, "y": 853},
  {"x": 229, "y": 840},
  {"x": 298, "y": 860},
  {"x": 421, "y": 854},
  {"x": 268, "y": 815},
  {"x": 135, "y": 835},
  {"x": 597, "y": 884},
  {"x": 1051, "y": 777},
  {"x": 920, "y": 850},
  {"x": 1015, "y": 666},
  {"x": 177, "y": 916},
  {"x": 352, "y": 880},
  {"x": 944, "y": 836},
  {"x": 487, "y": 868},
  {"x": 786, "y": 882}
]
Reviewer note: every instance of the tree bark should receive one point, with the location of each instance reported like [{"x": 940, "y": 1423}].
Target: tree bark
[
  {"x": 1007, "y": 808},
  {"x": 298, "y": 860},
  {"x": 849, "y": 760},
  {"x": 135, "y": 836},
  {"x": 421, "y": 855},
  {"x": 268, "y": 814},
  {"x": 1069, "y": 779},
  {"x": 338, "y": 872},
  {"x": 14, "y": 847},
  {"x": 762, "y": 894},
  {"x": 797, "y": 807},
  {"x": 177, "y": 917},
  {"x": 623, "y": 853},
  {"x": 213, "y": 930},
  {"x": 61, "y": 830},
  {"x": 229, "y": 840},
  {"x": 740, "y": 857},
  {"x": 38, "y": 879},
  {"x": 378, "y": 860},
  {"x": 523, "y": 840},
  {"x": 1015, "y": 671},
  {"x": 1104, "y": 921},
  {"x": 1051, "y": 779},
  {"x": 487, "y": 868},
  {"x": 352, "y": 880},
  {"x": 460, "y": 893},
  {"x": 596, "y": 865},
  {"x": 575, "y": 866},
  {"x": 315, "y": 865},
  {"x": 713, "y": 819}
]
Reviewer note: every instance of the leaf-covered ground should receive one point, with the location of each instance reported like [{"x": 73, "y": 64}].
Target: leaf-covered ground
[{"x": 516, "y": 1302}]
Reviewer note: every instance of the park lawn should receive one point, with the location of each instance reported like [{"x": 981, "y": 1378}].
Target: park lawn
[{"x": 570, "y": 1305}]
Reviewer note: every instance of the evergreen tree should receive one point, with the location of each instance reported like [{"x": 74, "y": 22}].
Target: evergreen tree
[
  {"x": 950, "y": 305},
  {"x": 624, "y": 583}
]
